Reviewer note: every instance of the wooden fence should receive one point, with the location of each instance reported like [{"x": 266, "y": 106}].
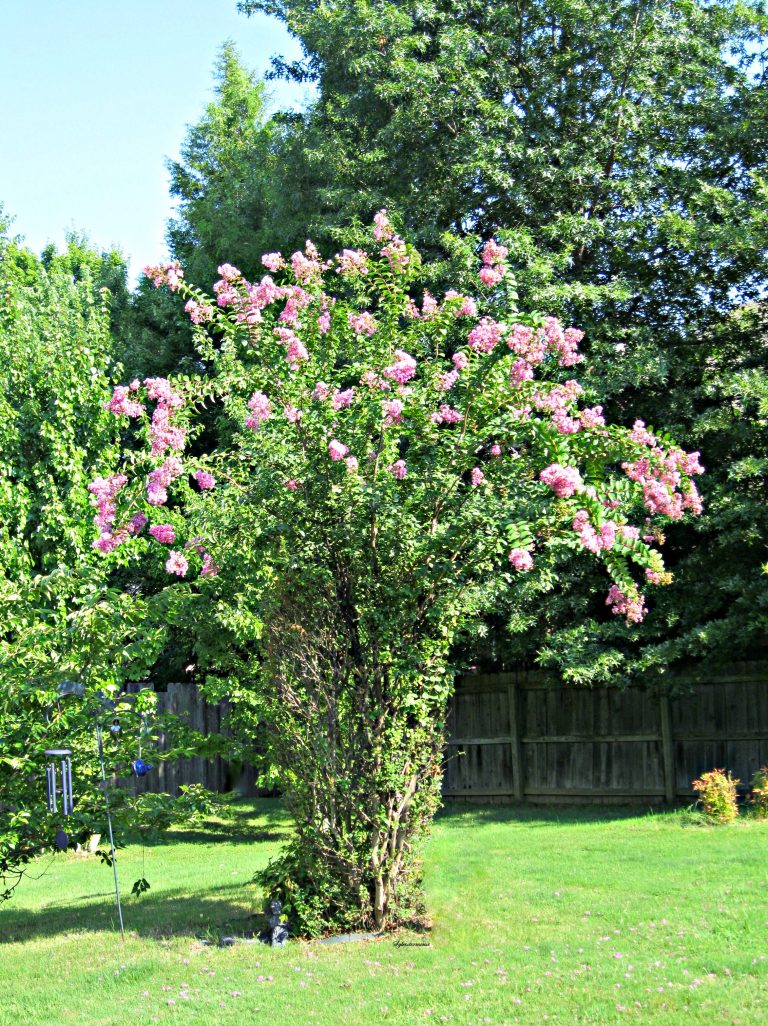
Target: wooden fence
[
  {"x": 185, "y": 700},
  {"x": 525, "y": 737}
]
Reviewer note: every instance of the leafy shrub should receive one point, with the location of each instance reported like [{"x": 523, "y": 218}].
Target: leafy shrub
[
  {"x": 717, "y": 794},
  {"x": 759, "y": 799}
]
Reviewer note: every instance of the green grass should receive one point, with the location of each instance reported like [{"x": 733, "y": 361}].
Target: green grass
[{"x": 539, "y": 916}]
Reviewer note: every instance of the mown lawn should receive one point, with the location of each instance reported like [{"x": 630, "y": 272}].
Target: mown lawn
[{"x": 540, "y": 916}]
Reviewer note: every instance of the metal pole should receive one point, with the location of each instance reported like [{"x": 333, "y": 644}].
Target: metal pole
[{"x": 109, "y": 826}]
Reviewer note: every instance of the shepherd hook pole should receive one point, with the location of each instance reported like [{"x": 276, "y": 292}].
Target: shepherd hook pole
[{"x": 109, "y": 826}]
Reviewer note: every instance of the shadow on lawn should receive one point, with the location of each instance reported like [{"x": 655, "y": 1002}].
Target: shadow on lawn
[
  {"x": 262, "y": 820},
  {"x": 211, "y": 914},
  {"x": 465, "y": 815}
]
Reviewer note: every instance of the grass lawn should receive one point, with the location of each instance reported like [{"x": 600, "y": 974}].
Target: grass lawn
[{"x": 540, "y": 916}]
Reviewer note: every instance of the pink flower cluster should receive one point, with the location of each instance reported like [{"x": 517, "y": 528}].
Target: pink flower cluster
[
  {"x": 160, "y": 479},
  {"x": 446, "y": 415},
  {"x": 199, "y": 313},
  {"x": 342, "y": 400},
  {"x": 307, "y": 266},
  {"x": 363, "y": 323},
  {"x": 169, "y": 274},
  {"x": 624, "y": 605},
  {"x": 352, "y": 263},
  {"x": 556, "y": 402},
  {"x": 467, "y": 306},
  {"x": 521, "y": 559},
  {"x": 262, "y": 410},
  {"x": 337, "y": 450},
  {"x": 565, "y": 342},
  {"x": 121, "y": 402},
  {"x": 382, "y": 229},
  {"x": 393, "y": 411},
  {"x": 595, "y": 540},
  {"x": 448, "y": 380},
  {"x": 494, "y": 263},
  {"x": 460, "y": 361},
  {"x": 164, "y": 533},
  {"x": 398, "y": 469},
  {"x": 104, "y": 490},
  {"x": 485, "y": 336},
  {"x": 204, "y": 480},
  {"x": 396, "y": 252},
  {"x": 661, "y": 475},
  {"x": 403, "y": 369},
  {"x": 564, "y": 481},
  {"x": 295, "y": 350},
  {"x": 477, "y": 476},
  {"x": 176, "y": 563},
  {"x": 273, "y": 262}
]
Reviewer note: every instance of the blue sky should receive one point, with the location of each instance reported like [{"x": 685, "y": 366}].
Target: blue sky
[{"x": 96, "y": 94}]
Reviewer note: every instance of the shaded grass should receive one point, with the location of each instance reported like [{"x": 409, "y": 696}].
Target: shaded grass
[{"x": 563, "y": 916}]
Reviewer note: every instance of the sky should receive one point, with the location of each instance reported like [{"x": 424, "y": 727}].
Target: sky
[{"x": 95, "y": 95}]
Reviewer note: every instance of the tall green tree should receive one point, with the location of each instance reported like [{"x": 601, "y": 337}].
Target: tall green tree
[{"x": 621, "y": 147}]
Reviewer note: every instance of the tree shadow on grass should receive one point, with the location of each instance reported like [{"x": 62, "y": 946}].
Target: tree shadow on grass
[
  {"x": 263, "y": 820},
  {"x": 229, "y": 910},
  {"x": 465, "y": 815}
]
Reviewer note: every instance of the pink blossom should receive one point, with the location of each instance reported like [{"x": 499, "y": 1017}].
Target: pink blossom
[
  {"x": 398, "y": 469},
  {"x": 477, "y": 476},
  {"x": 176, "y": 563},
  {"x": 393, "y": 411},
  {"x": 169, "y": 274},
  {"x": 563, "y": 481},
  {"x": 429, "y": 306},
  {"x": 293, "y": 414},
  {"x": 363, "y": 324},
  {"x": 108, "y": 542},
  {"x": 159, "y": 479},
  {"x": 566, "y": 425},
  {"x": 411, "y": 310},
  {"x": 163, "y": 533},
  {"x": 306, "y": 267},
  {"x": 623, "y": 605},
  {"x": 341, "y": 400},
  {"x": 519, "y": 372},
  {"x": 291, "y": 484},
  {"x": 521, "y": 559},
  {"x": 460, "y": 361},
  {"x": 137, "y": 523},
  {"x": 120, "y": 403},
  {"x": 382, "y": 229},
  {"x": 490, "y": 276},
  {"x": 157, "y": 495},
  {"x": 273, "y": 262},
  {"x": 653, "y": 576},
  {"x": 495, "y": 450},
  {"x": 592, "y": 417},
  {"x": 336, "y": 450},
  {"x": 467, "y": 306},
  {"x": 485, "y": 336},
  {"x": 321, "y": 391},
  {"x": 692, "y": 499},
  {"x": 352, "y": 262},
  {"x": 228, "y": 272},
  {"x": 403, "y": 369},
  {"x": 209, "y": 567},
  {"x": 641, "y": 435},
  {"x": 295, "y": 349},
  {"x": 396, "y": 253},
  {"x": 445, "y": 415},
  {"x": 567, "y": 346},
  {"x": 199, "y": 313},
  {"x": 103, "y": 493},
  {"x": 352, "y": 463},
  {"x": 204, "y": 479},
  {"x": 494, "y": 253},
  {"x": 262, "y": 410},
  {"x": 448, "y": 380}
]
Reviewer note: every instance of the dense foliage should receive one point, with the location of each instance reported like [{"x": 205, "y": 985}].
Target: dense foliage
[
  {"x": 60, "y": 615},
  {"x": 622, "y": 149}
]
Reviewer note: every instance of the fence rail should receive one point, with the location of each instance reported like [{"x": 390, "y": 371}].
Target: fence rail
[{"x": 527, "y": 737}]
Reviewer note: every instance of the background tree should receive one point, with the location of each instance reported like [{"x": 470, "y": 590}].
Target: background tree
[{"x": 622, "y": 149}]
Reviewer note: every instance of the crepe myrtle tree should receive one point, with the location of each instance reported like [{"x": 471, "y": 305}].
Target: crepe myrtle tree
[{"x": 390, "y": 460}]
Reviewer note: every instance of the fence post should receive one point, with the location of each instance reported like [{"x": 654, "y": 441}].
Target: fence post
[
  {"x": 514, "y": 742},
  {"x": 667, "y": 751}
]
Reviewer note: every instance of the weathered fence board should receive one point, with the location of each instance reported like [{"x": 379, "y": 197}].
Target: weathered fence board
[{"x": 526, "y": 737}]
